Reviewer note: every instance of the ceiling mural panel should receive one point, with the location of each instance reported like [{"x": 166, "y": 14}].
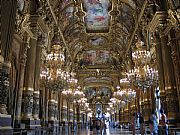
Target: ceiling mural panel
[
  {"x": 65, "y": 3},
  {"x": 96, "y": 57},
  {"x": 99, "y": 80},
  {"x": 67, "y": 10},
  {"x": 97, "y": 18},
  {"x": 97, "y": 41}
]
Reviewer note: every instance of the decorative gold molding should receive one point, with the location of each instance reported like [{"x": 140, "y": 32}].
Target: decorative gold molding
[
  {"x": 159, "y": 18},
  {"x": 43, "y": 27},
  {"x": 25, "y": 26}
]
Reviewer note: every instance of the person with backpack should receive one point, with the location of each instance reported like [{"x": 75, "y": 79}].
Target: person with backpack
[{"x": 163, "y": 127}]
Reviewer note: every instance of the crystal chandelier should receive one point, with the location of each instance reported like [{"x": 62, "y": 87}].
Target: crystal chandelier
[
  {"x": 78, "y": 94},
  {"x": 126, "y": 94},
  {"x": 141, "y": 56},
  {"x": 68, "y": 94},
  {"x": 51, "y": 70},
  {"x": 143, "y": 74},
  {"x": 82, "y": 102},
  {"x": 123, "y": 95}
]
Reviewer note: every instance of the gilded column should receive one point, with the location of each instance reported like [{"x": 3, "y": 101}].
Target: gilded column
[
  {"x": 170, "y": 86},
  {"x": 74, "y": 116},
  {"x": 141, "y": 103},
  {"x": 22, "y": 59},
  {"x": 27, "y": 102},
  {"x": 2, "y": 97},
  {"x": 146, "y": 103},
  {"x": 122, "y": 116},
  {"x": 152, "y": 97},
  {"x": 4, "y": 81},
  {"x": 59, "y": 106},
  {"x": 8, "y": 15},
  {"x": 160, "y": 67},
  {"x": 126, "y": 114},
  {"x": 175, "y": 54},
  {"x": 133, "y": 106},
  {"x": 137, "y": 99},
  {"x": 68, "y": 111},
  {"x": 51, "y": 107},
  {"x": 37, "y": 78}
]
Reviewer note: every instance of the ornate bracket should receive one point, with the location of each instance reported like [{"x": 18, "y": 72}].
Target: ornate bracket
[{"x": 159, "y": 18}]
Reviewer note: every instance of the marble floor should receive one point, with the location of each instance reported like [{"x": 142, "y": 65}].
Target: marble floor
[{"x": 111, "y": 131}]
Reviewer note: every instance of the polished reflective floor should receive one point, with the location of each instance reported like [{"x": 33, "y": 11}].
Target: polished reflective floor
[
  {"x": 111, "y": 131},
  {"x": 82, "y": 131},
  {"x": 68, "y": 131}
]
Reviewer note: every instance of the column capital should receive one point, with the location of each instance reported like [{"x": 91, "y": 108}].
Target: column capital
[
  {"x": 158, "y": 19},
  {"x": 38, "y": 22}
]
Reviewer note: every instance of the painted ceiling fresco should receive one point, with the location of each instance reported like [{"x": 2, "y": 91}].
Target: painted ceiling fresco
[
  {"x": 94, "y": 79},
  {"x": 97, "y": 18},
  {"x": 96, "y": 57},
  {"x": 67, "y": 14},
  {"x": 65, "y": 3},
  {"x": 97, "y": 41}
]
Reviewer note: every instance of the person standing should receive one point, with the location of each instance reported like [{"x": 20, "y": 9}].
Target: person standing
[
  {"x": 153, "y": 124},
  {"x": 141, "y": 121},
  {"x": 98, "y": 125},
  {"x": 133, "y": 123},
  {"x": 163, "y": 127}
]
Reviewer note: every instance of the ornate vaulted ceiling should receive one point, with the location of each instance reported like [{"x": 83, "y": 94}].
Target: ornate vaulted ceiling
[{"x": 97, "y": 33}]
